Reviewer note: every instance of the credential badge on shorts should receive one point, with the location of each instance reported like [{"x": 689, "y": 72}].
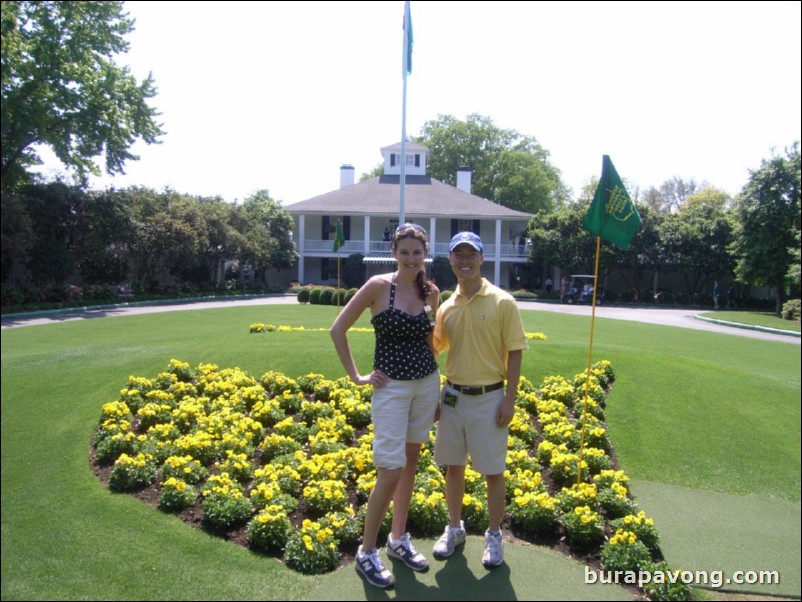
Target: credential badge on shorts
[{"x": 449, "y": 396}]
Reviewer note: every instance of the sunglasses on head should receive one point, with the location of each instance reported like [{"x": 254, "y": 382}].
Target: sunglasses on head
[{"x": 416, "y": 227}]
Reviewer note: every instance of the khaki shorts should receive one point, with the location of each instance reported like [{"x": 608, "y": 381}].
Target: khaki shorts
[
  {"x": 402, "y": 412},
  {"x": 469, "y": 428}
]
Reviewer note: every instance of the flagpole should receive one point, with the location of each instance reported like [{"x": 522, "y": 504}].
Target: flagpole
[
  {"x": 338, "y": 278},
  {"x": 406, "y": 66},
  {"x": 590, "y": 357}
]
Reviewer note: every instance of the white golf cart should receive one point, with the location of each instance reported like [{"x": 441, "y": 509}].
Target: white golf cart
[{"x": 580, "y": 290}]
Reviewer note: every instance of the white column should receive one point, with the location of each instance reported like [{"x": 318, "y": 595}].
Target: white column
[
  {"x": 367, "y": 236},
  {"x": 497, "y": 266},
  {"x": 301, "y": 237},
  {"x": 432, "y": 235}
]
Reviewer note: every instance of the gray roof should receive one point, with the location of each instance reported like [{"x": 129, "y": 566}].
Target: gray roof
[
  {"x": 411, "y": 147},
  {"x": 423, "y": 195}
]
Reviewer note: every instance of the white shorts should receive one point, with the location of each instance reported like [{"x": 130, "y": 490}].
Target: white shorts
[
  {"x": 469, "y": 428},
  {"x": 402, "y": 412}
]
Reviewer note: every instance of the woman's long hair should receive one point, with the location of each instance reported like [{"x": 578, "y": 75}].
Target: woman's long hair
[{"x": 417, "y": 232}]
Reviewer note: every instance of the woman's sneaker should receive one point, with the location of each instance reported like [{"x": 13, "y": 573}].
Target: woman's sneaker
[
  {"x": 406, "y": 553},
  {"x": 449, "y": 540},
  {"x": 494, "y": 549},
  {"x": 370, "y": 566}
]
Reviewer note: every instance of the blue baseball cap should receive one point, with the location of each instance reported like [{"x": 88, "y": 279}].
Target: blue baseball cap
[{"x": 467, "y": 238}]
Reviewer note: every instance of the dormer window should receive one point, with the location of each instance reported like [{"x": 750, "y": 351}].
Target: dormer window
[{"x": 412, "y": 160}]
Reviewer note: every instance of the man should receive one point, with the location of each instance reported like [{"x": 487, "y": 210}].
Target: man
[{"x": 481, "y": 327}]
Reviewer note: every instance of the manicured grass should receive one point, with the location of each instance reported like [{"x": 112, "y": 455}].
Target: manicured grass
[
  {"x": 755, "y": 318},
  {"x": 691, "y": 408}
]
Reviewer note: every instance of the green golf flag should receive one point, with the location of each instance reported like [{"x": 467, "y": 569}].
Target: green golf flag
[
  {"x": 612, "y": 215},
  {"x": 339, "y": 238}
]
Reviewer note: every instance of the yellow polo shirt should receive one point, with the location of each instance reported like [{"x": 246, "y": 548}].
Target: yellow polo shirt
[{"x": 479, "y": 332}]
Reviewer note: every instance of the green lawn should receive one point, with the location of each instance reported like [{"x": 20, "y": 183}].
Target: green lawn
[
  {"x": 755, "y": 318},
  {"x": 690, "y": 408}
]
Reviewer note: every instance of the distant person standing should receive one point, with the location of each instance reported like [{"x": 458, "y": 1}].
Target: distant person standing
[
  {"x": 716, "y": 294},
  {"x": 563, "y": 288},
  {"x": 731, "y": 294},
  {"x": 549, "y": 284}
]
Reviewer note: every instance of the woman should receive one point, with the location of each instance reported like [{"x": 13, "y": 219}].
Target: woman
[{"x": 406, "y": 384}]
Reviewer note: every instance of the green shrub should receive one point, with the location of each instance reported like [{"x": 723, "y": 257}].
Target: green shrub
[
  {"x": 624, "y": 552},
  {"x": 347, "y": 526},
  {"x": 312, "y": 549},
  {"x": 349, "y": 294},
  {"x": 269, "y": 529},
  {"x": 224, "y": 503},
  {"x": 443, "y": 274},
  {"x": 353, "y": 271},
  {"x": 585, "y": 528},
  {"x": 663, "y": 588},
  {"x": 303, "y": 294},
  {"x": 326, "y": 295},
  {"x": 791, "y": 310},
  {"x": 130, "y": 473},
  {"x": 535, "y": 512},
  {"x": 314, "y": 295},
  {"x": 338, "y": 297},
  {"x": 176, "y": 494}
]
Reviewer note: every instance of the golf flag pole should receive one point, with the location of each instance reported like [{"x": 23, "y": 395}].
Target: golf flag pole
[
  {"x": 590, "y": 359},
  {"x": 406, "y": 70},
  {"x": 613, "y": 217}
]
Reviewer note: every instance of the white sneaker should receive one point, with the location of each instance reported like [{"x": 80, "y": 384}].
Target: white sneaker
[
  {"x": 371, "y": 567},
  {"x": 449, "y": 540},
  {"x": 406, "y": 553},
  {"x": 493, "y": 554}
]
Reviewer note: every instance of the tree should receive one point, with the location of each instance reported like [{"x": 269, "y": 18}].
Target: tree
[
  {"x": 676, "y": 191},
  {"x": 222, "y": 238},
  {"x": 795, "y": 271},
  {"x": 559, "y": 239},
  {"x": 767, "y": 223},
  {"x": 159, "y": 240},
  {"x": 644, "y": 254},
  {"x": 711, "y": 197},
  {"x": 696, "y": 241},
  {"x": 266, "y": 227},
  {"x": 70, "y": 231},
  {"x": 61, "y": 88},
  {"x": 653, "y": 199},
  {"x": 509, "y": 168},
  {"x": 17, "y": 232}
]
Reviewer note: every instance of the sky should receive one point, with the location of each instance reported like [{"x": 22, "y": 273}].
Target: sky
[{"x": 279, "y": 95}]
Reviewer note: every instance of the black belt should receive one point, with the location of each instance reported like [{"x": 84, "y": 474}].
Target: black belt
[{"x": 477, "y": 390}]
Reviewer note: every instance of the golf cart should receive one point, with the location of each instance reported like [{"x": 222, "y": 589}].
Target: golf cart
[{"x": 580, "y": 290}]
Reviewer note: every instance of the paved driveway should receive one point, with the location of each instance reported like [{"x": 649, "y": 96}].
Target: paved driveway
[{"x": 684, "y": 318}]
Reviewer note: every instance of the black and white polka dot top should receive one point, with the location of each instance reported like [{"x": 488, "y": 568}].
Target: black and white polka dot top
[{"x": 402, "y": 351}]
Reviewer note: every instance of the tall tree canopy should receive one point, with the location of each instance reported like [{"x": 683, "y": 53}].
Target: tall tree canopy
[
  {"x": 767, "y": 223},
  {"x": 672, "y": 194},
  {"x": 508, "y": 168},
  {"x": 61, "y": 88}
]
